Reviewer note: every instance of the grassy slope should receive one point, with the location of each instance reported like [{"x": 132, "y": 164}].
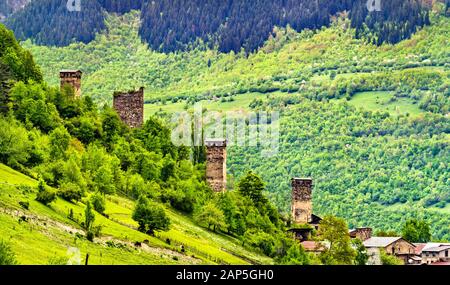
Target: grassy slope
[
  {"x": 380, "y": 101},
  {"x": 50, "y": 233}
]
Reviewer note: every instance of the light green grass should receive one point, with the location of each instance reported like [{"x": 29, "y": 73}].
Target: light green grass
[
  {"x": 43, "y": 239},
  {"x": 241, "y": 102},
  {"x": 202, "y": 242},
  {"x": 10, "y": 176},
  {"x": 380, "y": 101},
  {"x": 445, "y": 210}
]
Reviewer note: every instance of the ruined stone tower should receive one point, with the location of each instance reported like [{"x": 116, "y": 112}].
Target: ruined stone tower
[
  {"x": 130, "y": 107},
  {"x": 302, "y": 200},
  {"x": 216, "y": 164},
  {"x": 73, "y": 79}
]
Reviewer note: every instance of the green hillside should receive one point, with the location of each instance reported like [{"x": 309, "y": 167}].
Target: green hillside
[
  {"x": 47, "y": 234},
  {"x": 329, "y": 63},
  {"x": 369, "y": 123}
]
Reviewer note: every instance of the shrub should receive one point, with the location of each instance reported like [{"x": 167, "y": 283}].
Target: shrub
[
  {"x": 387, "y": 259},
  {"x": 98, "y": 202},
  {"x": 70, "y": 192},
  {"x": 25, "y": 205},
  {"x": 45, "y": 195},
  {"x": 7, "y": 256},
  {"x": 150, "y": 216}
]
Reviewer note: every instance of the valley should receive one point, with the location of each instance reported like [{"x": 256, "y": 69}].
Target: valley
[{"x": 324, "y": 66}]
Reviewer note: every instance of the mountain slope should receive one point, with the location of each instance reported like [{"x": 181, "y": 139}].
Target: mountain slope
[
  {"x": 231, "y": 25},
  {"x": 8, "y": 7},
  {"x": 321, "y": 63},
  {"x": 49, "y": 236}
]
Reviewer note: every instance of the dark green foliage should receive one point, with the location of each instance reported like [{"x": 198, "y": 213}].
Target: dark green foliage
[
  {"x": 98, "y": 202},
  {"x": 387, "y": 259},
  {"x": 45, "y": 195},
  {"x": 335, "y": 231},
  {"x": 252, "y": 186},
  {"x": 262, "y": 240},
  {"x": 70, "y": 192},
  {"x": 397, "y": 20},
  {"x": 361, "y": 162},
  {"x": 387, "y": 234},
  {"x": 59, "y": 142},
  {"x": 296, "y": 255},
  {"x": 14, "y": 143},
  {"x": 88, "y": 224},
  {"x": 211, "y": 216},
  {"x": 7, "y": 256},
  {"x": 361, "y": 253},
  {"x": 54, "y": 24},
  {"x": 32, "y": 105},
  {"x": 112, "y": 126},
  {"x": 16, "y": 63},
  {"x": 150, "y": 216},
  {"x": 155, "y": 136},
  {"x": 416, "y": 231},
  {"x": 231, "y": 25},
  {"x": 24, "y": 204},
  {"x": 121, "y": 6}
]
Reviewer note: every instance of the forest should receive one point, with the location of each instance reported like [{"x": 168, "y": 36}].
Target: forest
[{"x": 230, "y": 25}]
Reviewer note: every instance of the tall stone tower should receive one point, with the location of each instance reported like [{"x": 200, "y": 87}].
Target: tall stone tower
[
  {"x": 130, "y": 107},
  {"x": 302, "y": 200},
  {"x": 216, "y": 164},
  {"x": 73, "y": 79}
]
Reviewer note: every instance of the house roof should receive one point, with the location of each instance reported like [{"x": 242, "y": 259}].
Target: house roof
[
  {"x": 441, "y": 263},
  {"x": 358, "y": 229},
  {"x": 302, "y": 178},
  {"x": 216, "y": 142},
  {"x": 380, "y": 241},
  {"x": 437, "y": 249},
  {"x": 70, "y": 71},
  {"x": 435, "y": 244},
  {"x": 419, "y": 247},
  {"x": 313, "y": 246},
  {"x": 315, "y": 219}
]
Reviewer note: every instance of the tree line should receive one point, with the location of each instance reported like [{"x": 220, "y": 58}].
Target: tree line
[{"x": 229, "y": 25}]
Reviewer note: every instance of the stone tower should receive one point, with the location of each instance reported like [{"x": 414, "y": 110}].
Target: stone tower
[
  {"x": 73, "y": 79},
  {"x": 302, "y": 200},
  {"x": 216, "y": 164},
  {"x": 130, "y": 107}
]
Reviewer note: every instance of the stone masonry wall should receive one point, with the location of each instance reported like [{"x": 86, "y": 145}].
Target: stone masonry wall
[
  {"x": 301, "y": 200},
  {"x": 130, "y": 107},
  {"x": 72, "y": 78},
  {"x": 216, "y": 172}
]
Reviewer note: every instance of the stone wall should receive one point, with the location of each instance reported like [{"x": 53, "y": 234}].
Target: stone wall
[
  {"x": 302, "y": 200},
  {"x": 361, "y": 233},
  {"x": 73, "y": 79},
  {"x": 130, "y": 107},
  {"x": 401, "y": 249},
  {"x": 216, "y": 164}
]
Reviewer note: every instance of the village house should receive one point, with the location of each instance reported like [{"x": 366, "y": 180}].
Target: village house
[
  {"x": 361, "y": 233},
  {"x": 436, "y": 254},
  {"x": 396, "y": 246},
  {"x": 314, "y": 246}
]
